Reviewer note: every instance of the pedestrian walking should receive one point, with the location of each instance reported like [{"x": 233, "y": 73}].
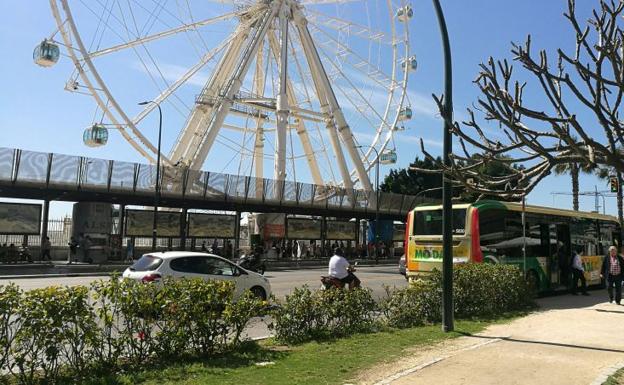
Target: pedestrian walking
[
  {"x": 4, "y": 253},
  {"x": 612, "y": 266},
  {"x": 73, "y": 249},
  {"x": 129, "y": 251},
  {"x": 578, "y": 273},
  {"x": 45, "y": 249},
  {"x": 85, "y": 246},
  {"x": 12, "y": 253}
]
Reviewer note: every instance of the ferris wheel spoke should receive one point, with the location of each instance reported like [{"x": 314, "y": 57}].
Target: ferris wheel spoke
[
  {"x": 160, "y": 35},
  {"x": 308, "y": 100},
  {"x": 352, "y": 28},
  {"x": 373, "y": 72},
  {"x": 189, "y": 137},
  {"x": 363, "y": 111},
  {"x": 182, "y": 80}
]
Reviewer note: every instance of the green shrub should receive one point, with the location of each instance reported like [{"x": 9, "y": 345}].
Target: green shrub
[
  {"x": 305, "y": 315},
  {"x": 9, "y": 301},
  {"x": 56, "y": 325},
  {"x": 193, "y": 320},
  {"x": 486, "y": 290},
  {"x": 412, "y": 306},
  {"x": 349, "y": 311},
  {"x": 46, "y": 334},
  {"x": 479, "y": 290},
  {"x": 238, "y": 314}
]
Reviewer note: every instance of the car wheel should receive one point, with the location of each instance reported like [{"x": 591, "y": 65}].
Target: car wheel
[{"x": 258, "y": 292}]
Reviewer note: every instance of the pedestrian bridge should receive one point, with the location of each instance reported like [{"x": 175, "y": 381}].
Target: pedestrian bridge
[{"x": 50, "y": 177}]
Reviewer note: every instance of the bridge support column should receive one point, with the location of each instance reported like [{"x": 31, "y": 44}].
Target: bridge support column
[
  {"x": 357, "y": 232},
  {"x": 237, "y": 219},
  {"x": 122, "y": 220},
  {"x": 44, "y": 226},
  {"x": 183, "y": 229},
  {"x": 323, "y": 236}
]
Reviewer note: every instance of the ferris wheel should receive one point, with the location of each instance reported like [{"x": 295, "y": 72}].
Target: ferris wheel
[{"x": 291, "y": 90}]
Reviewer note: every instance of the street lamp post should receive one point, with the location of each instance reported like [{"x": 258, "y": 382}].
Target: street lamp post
[
  {"x": 376, "y": 234},
  {"x": 157, "y": 187},
  {"x": 447, "y": 213}
]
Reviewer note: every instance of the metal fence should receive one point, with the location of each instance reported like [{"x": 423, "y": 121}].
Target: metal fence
[
  {"x": 73, "y": 173},
  {"x": 59, "y": 232}
]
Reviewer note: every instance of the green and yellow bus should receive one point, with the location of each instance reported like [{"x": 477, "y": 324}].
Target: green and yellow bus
[{"x": 493, "y": 232}]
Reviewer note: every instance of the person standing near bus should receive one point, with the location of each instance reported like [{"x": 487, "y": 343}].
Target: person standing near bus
[
  {"x": 612, "y": 267},
  {"x": 578, "y": 273}
]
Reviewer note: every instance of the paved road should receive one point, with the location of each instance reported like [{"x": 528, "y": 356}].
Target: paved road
[{"x": 282, "y": 282}]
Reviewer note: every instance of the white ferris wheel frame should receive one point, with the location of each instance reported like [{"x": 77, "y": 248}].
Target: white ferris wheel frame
[{"x": 194, "y": 141}]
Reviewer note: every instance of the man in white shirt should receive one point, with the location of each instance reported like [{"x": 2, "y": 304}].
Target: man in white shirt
[
  {"x": 578, "y": 273},
  {"x": 340, "y": 269}
]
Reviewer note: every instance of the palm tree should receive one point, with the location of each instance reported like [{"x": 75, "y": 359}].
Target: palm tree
[
  {"x": 606, "y": 174},
  {"x": 574, "y": 169}
]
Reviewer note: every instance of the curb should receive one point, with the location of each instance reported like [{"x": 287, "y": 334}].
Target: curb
[
  {"x": 55, "y": 275},
  {"x": 609, "y": 371}
]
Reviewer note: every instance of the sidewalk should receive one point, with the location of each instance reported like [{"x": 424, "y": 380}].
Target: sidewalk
[{"x": 570, "y": 340}]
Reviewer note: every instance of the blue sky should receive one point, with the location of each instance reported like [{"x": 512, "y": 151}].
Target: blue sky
[{"x": 36, "y": 113}]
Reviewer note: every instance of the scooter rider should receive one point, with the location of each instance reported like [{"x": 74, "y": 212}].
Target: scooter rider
[{"x": 340, "y": 269}]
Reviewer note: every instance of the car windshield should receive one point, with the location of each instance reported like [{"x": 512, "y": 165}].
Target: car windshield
[{"x": 146, "y": 263}]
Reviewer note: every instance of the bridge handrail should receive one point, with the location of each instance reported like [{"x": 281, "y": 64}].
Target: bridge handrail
[{"x": 50, "y": 170}]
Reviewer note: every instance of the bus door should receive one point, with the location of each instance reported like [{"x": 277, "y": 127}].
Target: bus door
[{"x": 560, "y": 254}]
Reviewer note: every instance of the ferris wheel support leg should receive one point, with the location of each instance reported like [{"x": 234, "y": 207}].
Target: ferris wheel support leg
[
  {"x": 258, "y": 158},
  {"x": 282, "y": 103},
  {"x": 224, "y": 103},
  {"x": 188, "y": 139},
  {"x": 343, "y": 127},
  {"x": 308, "y": 49},
  {"x": 301, "y": 128}
]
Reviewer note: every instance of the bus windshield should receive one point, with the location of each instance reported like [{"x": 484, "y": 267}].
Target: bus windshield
[{"x": 429, "y": 222}]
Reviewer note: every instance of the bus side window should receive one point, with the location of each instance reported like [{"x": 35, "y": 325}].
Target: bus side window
[{"x": 544, "y": 240}]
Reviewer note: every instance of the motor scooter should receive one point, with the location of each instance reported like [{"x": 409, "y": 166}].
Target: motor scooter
[
  {"x": 252, "y": 262},
  {"x": 329, "y": 282}
]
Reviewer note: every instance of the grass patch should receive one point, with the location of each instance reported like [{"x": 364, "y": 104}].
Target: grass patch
[
  {"x": 616, "y": 379},
  {"x": 329, "y": 362}
]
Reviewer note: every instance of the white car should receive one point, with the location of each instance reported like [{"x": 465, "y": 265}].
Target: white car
[{"x": 155, "y": 266}]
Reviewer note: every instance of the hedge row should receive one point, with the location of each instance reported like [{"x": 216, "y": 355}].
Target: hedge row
[
  {"x": 73, "y": 332},
  {"x": 480, "y": 290}
]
